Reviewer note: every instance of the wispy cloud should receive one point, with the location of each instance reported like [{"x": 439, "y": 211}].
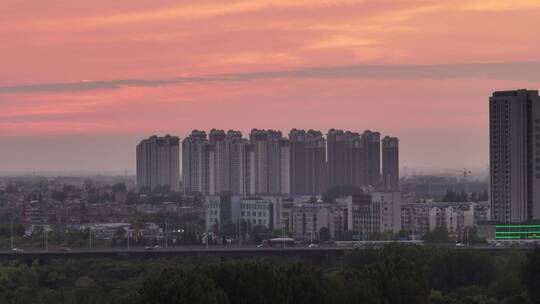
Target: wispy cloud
[
  {"x": 188, "y": 12},
  {"x": 512, "y": 71}
]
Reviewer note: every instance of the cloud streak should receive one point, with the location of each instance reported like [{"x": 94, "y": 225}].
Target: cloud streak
[{"x": 513, "y": 71}]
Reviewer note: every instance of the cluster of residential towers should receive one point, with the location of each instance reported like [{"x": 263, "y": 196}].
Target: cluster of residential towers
[{"x": 269, "y": 163}]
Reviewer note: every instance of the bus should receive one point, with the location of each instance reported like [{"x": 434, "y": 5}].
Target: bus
[{"x": 281, "y": 242}]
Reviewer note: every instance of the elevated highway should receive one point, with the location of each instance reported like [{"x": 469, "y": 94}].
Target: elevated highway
[{"x": 318, "y": 255}]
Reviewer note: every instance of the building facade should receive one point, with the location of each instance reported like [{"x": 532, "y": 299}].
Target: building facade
[
  {"x": 196, "y": 172},
  {"x": 307, "y": 162},
  {"x": 515, "y": 156},
  {"x": 224, "y": 163},
  {"x": 269, "y": 162},
  {"x": 390, "y": 163},
  {"x": 158, "y": 162},
  {"x": 372, "y": 146},
  {"x": 228, "y": 167},
  {"x": 346, "y": 158},
  {"x": 354, "y": 159},
  {"x": 387, "y": 207}
]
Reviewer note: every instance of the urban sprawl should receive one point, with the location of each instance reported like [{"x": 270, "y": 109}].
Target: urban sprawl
[{"x": 223, "y": 188}]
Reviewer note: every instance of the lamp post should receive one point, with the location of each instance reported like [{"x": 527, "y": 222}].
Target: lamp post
[
  {"x": 12, "y": 232},
  {"x": 46, "y": 240},
  {"x": 166, "y": 236}
]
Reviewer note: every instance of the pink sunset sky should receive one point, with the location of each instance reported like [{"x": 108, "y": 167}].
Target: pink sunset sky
[{"x": 81, "y": 82}]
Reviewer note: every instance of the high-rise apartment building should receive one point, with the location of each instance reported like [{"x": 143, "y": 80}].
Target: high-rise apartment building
[
  {"x": 269, "y": 162},
  {"x": 344, "y": 157},
  {"x": 308, "y": 162},
  {"x": 315, "y": 163},
  {"x": 390, "y": 163},
  {"x": 226, "y": 163},
  {"x": 219, "y": 168},
  {"x": 195, "y": 158},
  {"x": 372, "y": 150},
  {"x": 354, "y": 159},
  {"x": 515, "y": 155},
  {"x": 236, "y": 148},
  {"x": 158, "y": 162},
  {"x": 249, "y": 177},
  {"x": 298, "y": 152},
  {"x": 284, "y": 166}
]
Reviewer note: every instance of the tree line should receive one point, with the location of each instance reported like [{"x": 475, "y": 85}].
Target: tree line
[{"x": 393, "y": 274}]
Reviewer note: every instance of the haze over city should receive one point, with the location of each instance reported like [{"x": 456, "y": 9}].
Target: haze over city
[
  {"x": 270, "y": 151},
  {"x": 83, "y": 82}
]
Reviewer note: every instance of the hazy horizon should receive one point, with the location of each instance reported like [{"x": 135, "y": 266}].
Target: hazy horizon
[
  {"x": 83, "y": 82},
  {"x": 81, "y": 155}
]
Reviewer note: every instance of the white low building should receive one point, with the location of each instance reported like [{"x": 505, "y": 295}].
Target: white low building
[{"x": 254, "y": 210}]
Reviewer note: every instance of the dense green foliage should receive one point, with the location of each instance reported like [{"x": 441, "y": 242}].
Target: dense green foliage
[
  {"x": 394, "y": 274},
  {"x": 530, "y": 273}
]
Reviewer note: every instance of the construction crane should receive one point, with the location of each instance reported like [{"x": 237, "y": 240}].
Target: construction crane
[{"x": 465, "y": 175}]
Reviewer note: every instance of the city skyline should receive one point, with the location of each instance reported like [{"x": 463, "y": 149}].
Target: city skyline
[
  {"x": 93, "y": 77},
  {"x": 273, "y": 162},
  {"x": 270, "y": 151}
]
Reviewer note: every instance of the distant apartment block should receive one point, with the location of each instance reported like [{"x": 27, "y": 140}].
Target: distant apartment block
[
  {"x": 390, "y": 163},
  {"x": 214, "y": 165},
  {"x": 345, "y": 158},
  {"x": 354, "y": 159},
  {"x": 228, "y": 166},
  {"x": 515, "y": 155},
  {"x": 372, "y": 161},
  {"x": 158, "y": 162},
  {"x": 195, "y": 163},
  {"x": 307, "y": 162},
  {"x": 268, "y": 163}
]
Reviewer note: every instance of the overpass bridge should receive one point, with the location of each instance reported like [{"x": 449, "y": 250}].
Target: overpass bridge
[{"x": 316, "y": 255}]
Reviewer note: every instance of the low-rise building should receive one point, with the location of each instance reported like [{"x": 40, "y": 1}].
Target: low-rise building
[
  {"x": 457, "y": 218},
  {"x": 378, "y": 212}
]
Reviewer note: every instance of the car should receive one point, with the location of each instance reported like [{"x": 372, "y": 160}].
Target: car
[
  {"x": 63, "y": 249},
  {"x": 260, "y": 246},
  {"x": 148, "y": 248},
  {"x": 499, "y": 244},
  {"x": 313, "y": 245},
  {"x": 17, "y": 249},
  {"x": 460, "y": 245}
]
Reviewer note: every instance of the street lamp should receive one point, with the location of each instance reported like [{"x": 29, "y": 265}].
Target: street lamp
[
  {"x": 46, "y": 240},
  {"x": 12, "y": 232}
]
